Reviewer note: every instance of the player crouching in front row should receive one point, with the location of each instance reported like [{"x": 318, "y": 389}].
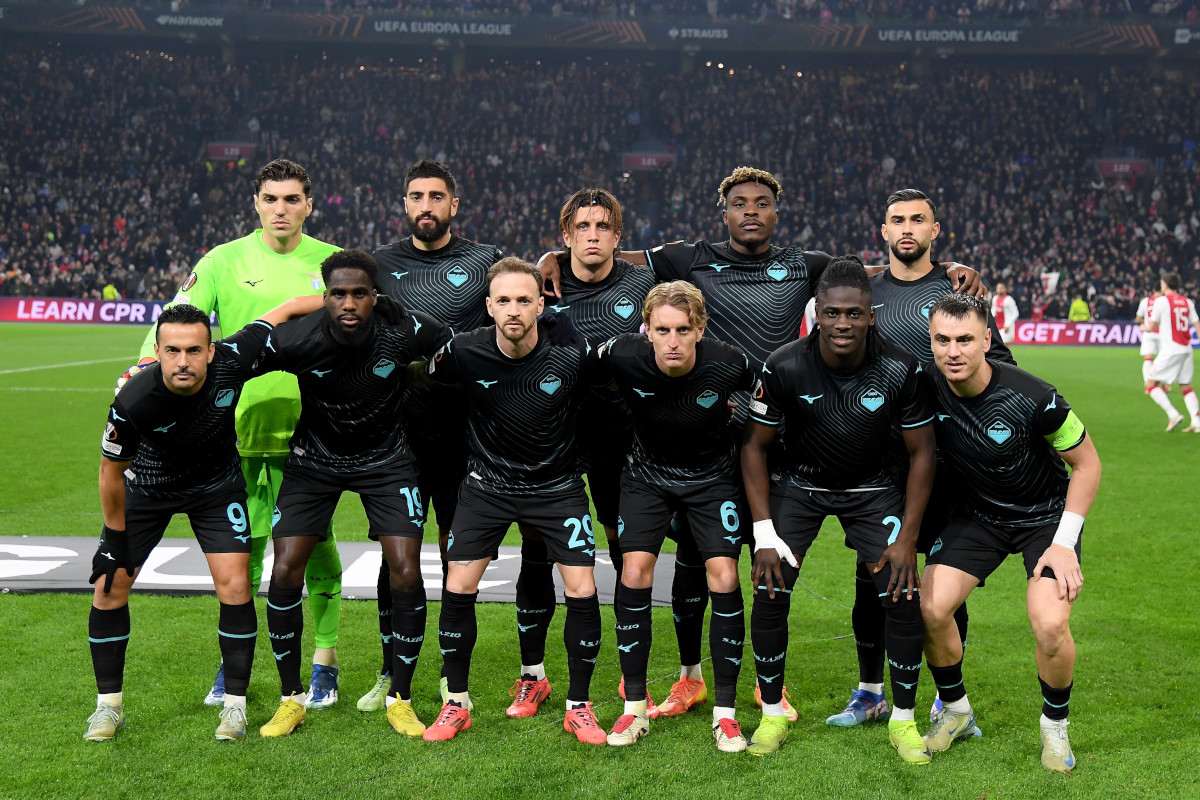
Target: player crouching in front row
[
  {"x": 170, "y": 447},
  {"x": 1006, "y": 434},
  {"x": 839, "y": 391}
]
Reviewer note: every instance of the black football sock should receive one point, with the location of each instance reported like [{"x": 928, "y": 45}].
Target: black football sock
[
  {"x": 1056, "y": 703},
  {"x": 689, "y": 599},
  {"x": 457, "y": 631},
  {"x": 905, "y": 638},
  {"x": 535, "y": 601},
  {"x": 726, "y": 642},
  {"x": 408, "y": 633},
  {"x": 949, "y": 682},
  {"x": 285, "y": 626},
  {"x": 383, "y": 603},
  {"x": 581, "y": 634},
  {"x": 867, "y": 620},
  {"x": 960, "y": 619},
  {"x": 237, "y": 631},
  {"x": 108, "y": 635},
  {"x": 633, "y": 638},
  {"x": 769, "y": 635}
]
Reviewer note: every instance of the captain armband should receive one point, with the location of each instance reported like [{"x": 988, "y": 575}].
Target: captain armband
[{"x": 1069, "y": 435}]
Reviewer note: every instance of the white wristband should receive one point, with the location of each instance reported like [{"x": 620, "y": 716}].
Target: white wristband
[
  {"x": 1069, "y": 528},
  {"x": 764, "y": 534}
]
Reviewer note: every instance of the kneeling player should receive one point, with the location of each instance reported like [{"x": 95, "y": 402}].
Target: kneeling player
[
  {"x": 515, "y": 378},
  {"x": 351, "y": 366},
  {"x": 683, "y": 459},
  {"x": 1006, "y": 434},
  {"x": 170, "y": 447},
  {"x": 839, "y": 391}
]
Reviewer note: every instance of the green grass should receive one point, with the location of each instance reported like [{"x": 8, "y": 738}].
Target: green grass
[{"x": 1134, "y": 730}]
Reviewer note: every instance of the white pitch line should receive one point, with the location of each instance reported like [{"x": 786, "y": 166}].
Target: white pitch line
[
  {"x": 54, "y": 389},
  {"x": 67, "y": 364}
]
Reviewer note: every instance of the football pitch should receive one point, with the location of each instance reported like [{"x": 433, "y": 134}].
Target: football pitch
[{"x": 1134, "y": 730}]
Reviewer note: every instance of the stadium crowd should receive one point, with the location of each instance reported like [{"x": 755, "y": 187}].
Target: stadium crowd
[{"x": 125, "y": 204}]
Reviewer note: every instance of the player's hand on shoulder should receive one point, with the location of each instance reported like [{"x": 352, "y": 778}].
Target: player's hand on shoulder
[
  {"x": 112, "y": 554},
  {"x": 551, "y": 273},
  {"x": 129, "y": 373},
  {"x": 964, "y": 279},
  {"x": 1067, "y": 572},
  {"x": 390, "y": 310},
  {"x": 560, "y": 329}
]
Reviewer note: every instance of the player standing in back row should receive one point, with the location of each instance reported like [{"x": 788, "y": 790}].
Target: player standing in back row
[
  {"x": 239, "y": 281},
  {"x": 444, "y": 275}
]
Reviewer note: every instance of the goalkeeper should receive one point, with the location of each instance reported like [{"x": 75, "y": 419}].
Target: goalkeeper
[{"x": 240, "y": 280}]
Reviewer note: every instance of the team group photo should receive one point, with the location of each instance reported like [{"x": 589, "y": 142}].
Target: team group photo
[{"x": 747, "y": 459}]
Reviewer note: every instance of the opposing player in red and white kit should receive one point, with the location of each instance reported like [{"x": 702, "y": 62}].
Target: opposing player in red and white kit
[
  {"x": 1149, "y": 347},
  {"x": 1004, "y": 309},
  {"x": 1171, "y": 314}
]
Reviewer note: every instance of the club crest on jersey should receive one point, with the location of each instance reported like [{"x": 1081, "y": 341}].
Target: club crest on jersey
[
  {"x": 384, "y": 368},
  {"x": 224, "y": 398},
  {"x": 777, "y": 271},
  {"x": 872, "y": 400},
  {"x": 550, "y": 384},
  {"x": 707, "y": 398},
  {"x": 457, "y": 276},
  {"x": 314, "y": 278},
  {"x": 998, "y": 432},
  {"x": 624, "y": 307},
  {"x": 928, "y": 307}
]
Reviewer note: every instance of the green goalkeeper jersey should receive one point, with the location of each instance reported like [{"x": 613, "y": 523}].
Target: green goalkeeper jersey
[{"x": 242, "y": 280}]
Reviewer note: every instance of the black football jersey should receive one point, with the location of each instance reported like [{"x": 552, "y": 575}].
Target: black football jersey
[
  {"x": 996, "y": 446},
  {"x": 184, "y": 446},
  {"x": 838, "y": 424},
  {"x": 351, "y": 395},
  {"x": 754, "y": 302},
  {"x": 521, "y": 412},
  {"x": 681, "y": 424}
]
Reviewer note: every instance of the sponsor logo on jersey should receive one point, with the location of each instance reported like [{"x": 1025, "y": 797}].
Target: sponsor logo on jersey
[
  {"x": 878, "y": 305},
  {"x": 937, "y": 545},
  {"x": 165, "y": 428},
  {"x": 810, "y": 398},
  {"x": 998, "y": 432},
  {"x": 398, "y": 275},
  {"x": 550, "y": 384},
  {"x": 252, "y": 284},
  {"x": 559, "y": 309},
  {"x": 719, "y": 267},
  {"x": 624, "y": 307},
  {"x": 777, "y": 271},
  {"x": 224, "y": 398},
  {"x": 321, "y": 373},
  {"x": 384, "y": 368},
  {"x": 188, "y": 282},
  {"x": 487, "y": 384},
  {"x": 643, "y": 394},
  {"x": 232, "y": 346},
  {"x": 872, "y": 400},
  {"x": 943, "y": 417},
  {"x": 457, "y": 276},
  {"x": 758, "y": 407},
  {"x": 707, "y": 398}
]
